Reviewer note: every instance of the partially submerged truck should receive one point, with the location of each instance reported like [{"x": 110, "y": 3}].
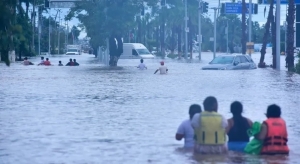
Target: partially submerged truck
[{"x": 73, "y": 50}]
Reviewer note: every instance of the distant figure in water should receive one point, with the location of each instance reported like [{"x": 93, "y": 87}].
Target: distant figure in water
[
  {"x": 60, "y": 64},
  {"x": 70, "y": 63},
  {"x": 42, "y": 61},
  {"x": 163, "y": 69},
  {"x": 237, "y": 128},
  {"x": 185, "y": 129},
  {"x": 75, "y": 63},
  {"x": 47, "y": 62},
  {"x": 142, "y": 66},
  {"x": 26, "y": 62}
]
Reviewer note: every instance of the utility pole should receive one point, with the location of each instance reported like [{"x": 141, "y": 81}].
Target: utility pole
[
  {"x": 227, "y": 37},
  {"x": 49, "y": 44},
  {"x": 163, "y": 5},
  {"x": 33, "y": 24},
  {"x": 278, "y": 35},
  {"x": 58, "y": 31},
  {"x": 199, "y": 28},
  {"x": 215, "y": 29},
  {"x": 250, "y": 23},
  {"x": 285, "y": 33},
  {"x": 186, "y": 30}
]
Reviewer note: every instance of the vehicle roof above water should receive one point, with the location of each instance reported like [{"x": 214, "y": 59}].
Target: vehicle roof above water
[
  {"x": 232, "y": 55},
  {"x": 135, "y": 45}
]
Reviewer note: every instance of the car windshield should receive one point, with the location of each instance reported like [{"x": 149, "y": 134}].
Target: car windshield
[
  {"x": 222, "y": 60},
  {"x": 72, "y": 50},
  {"x": 142, "y": 51}
]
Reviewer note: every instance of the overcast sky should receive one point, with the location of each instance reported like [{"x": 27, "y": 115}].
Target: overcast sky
[{"x": 212, "y": 3}]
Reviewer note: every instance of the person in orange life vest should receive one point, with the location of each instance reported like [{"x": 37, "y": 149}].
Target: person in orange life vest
[
  {"x": 70, "y": 63},
  {"x": 274, "y": 133},
  {"x": 47, "y": 62}
]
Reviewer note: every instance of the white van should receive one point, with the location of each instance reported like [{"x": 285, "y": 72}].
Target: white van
[{"x": 135, "y": 51}]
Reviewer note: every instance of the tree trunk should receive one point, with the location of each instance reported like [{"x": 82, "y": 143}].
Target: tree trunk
[
  {"x": 290, "y": 35},
  {"x": 273, "y": 30},
  {"x": 266, "y": 35},
  {"x": 179, "y": 41},
  {"x": 27, "y": 8},
  {"x": 157, "y": 39},
  {"x": 243, "y": 40},
  {"x": 173, "y": 42},
  {"x": 190, "y": 38}
]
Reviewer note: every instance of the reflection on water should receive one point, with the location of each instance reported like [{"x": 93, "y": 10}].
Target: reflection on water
[{"x": 95, "y": 114}]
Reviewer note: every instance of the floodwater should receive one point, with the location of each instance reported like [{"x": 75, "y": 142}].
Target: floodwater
[{"x": 95, "y": 115}]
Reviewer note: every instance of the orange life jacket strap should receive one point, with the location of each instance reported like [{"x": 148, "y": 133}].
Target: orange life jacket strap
[{"x": 276, "y": 138}]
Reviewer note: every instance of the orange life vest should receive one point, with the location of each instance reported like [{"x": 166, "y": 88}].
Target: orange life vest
[{"x": 276, "y": 139}]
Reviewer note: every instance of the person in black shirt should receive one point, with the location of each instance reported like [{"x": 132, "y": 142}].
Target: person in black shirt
[
  {"x": 75, "y": 63},
  {"x": 237, "y": 128}
]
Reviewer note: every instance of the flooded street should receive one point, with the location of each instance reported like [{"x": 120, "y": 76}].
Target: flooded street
[{"x": 95, "y": 115}]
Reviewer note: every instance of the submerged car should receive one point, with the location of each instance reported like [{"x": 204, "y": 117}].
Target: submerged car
[{"x": 231, "y": 62}]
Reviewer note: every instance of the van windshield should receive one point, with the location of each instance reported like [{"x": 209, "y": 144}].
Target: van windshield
[
  {"x": 72, "y": 50},
  {"x": 142, "y": 51}
]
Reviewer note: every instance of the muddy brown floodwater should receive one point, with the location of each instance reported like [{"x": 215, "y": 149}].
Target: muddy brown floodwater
[{"x": 94, "y": 115}]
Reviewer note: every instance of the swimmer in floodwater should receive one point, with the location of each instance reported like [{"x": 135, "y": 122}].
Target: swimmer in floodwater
[
  {"x": 47, "y": 62},
  {"x": 75, "y": 63},
  {"x": 163, "y": 69},
  {"x": 60, "y": 64},
  {"x": 70, "y": 63},
  {"x": 27, "y": 62},
  {"x": 237, "y": 128},
  {"x": 142, "y": 66},
  {"x": 42, "y": 61},
  {"x": 185, "y": 129}
]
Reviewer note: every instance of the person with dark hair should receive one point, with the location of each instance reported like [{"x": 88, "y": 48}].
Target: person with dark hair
[
  {"x": 47, "y": 62},
  {"x": 185, "y": 129},
  {"x": 142, "y": 66},
  {"x": 75, "y": 63},
  {"x": 27, "y": 62},
  {"x": 237, "y": 128},
  {"x": 210, "y": 129},
  {"x": 42, "y": 61},
  {"x": 70, "y": 63},
  {"x": 273, "y": 133},
  {"x": 60, "y": 64}
]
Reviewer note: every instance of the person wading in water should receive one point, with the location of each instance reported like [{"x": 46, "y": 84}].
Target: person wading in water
[
  {"x": 238, "y": 126},
  {"x": 274, "y": 133},
  {"x": 210, "y": 129},
  {"x": 185, "y": 129}
]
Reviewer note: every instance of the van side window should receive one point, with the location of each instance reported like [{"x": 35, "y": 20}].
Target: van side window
[{"x": 134, "y": 52}]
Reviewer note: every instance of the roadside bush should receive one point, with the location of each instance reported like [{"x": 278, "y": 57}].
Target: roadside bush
[
  {"x": 172, "y": 56},
  {"x": 297, "y": 68}
]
